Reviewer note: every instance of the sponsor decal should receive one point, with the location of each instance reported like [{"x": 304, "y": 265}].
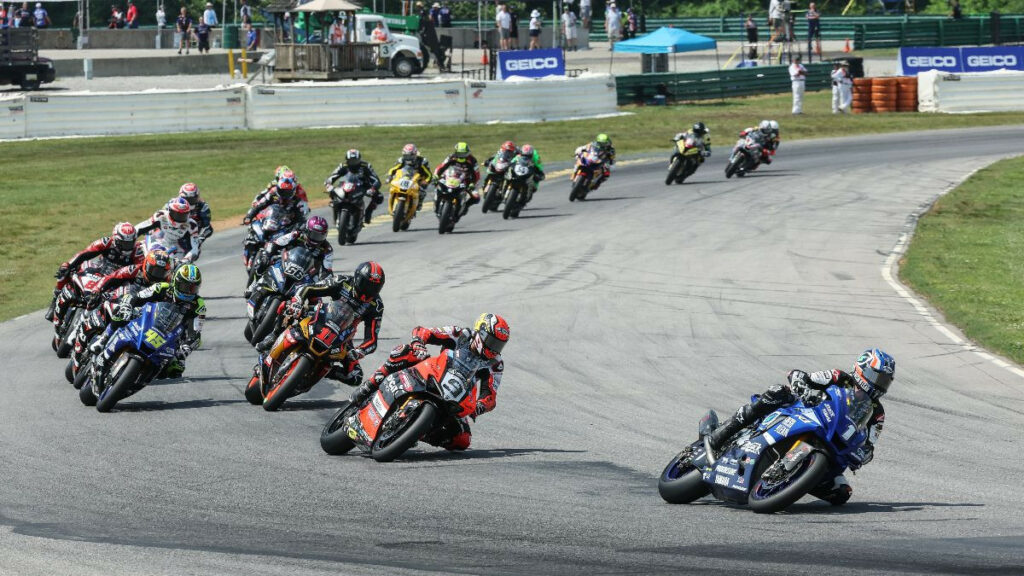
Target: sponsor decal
[
  {"x": 725, "y": 470},
  {"x": 378, "y": 404},
  {"x": 829, "y": 413},
  {"x": 723, "y": 480},
  {"x": 531, "y": 63}
]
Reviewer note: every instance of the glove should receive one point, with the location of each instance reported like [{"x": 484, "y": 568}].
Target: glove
[
  {"x": 357, "y": 354},
  {"x": 247, "y": 220},
  {"x": 183, "y": 351},
  {"x": 798, "y": 381},
  {"x": 420, "y": 334},
  {"x": 294, "y": 307},
  {"x": 419, "y": 350},
  {"x": 124, "y": 310},
  {"x": 62, "y": 272},
  {"x": 93, "y": 300}
]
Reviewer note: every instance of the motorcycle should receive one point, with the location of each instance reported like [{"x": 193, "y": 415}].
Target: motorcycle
[
  {"x": 404, "y": 198},
  {"x": 745, "y": 157},
  {"x": 450, "y": 196},
  {"x": 72, "y": 299},
  {"x": 517, "y": 186},
  {"x": 494, "y": 183},
  {"x": 684, "y": 161},
  {"x": 777, "y": 460},
  {"x": 138, "y": 351},
  {"x": 588, "y": 165},
  {"x": 328, "y": 333},
  {"x": 409, "y": 406},
  {"x": 347, "y": 201},
  {"x": 269, "y": 225},
  {"x": 296, "y": 267}
]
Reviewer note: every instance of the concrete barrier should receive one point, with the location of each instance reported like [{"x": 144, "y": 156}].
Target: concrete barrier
[
  {"x": 12, "y": 117},
  {"x": 162, "y": 63},
  {"x": 551, "y": 98},
  {"x": 998, "y": 91}
]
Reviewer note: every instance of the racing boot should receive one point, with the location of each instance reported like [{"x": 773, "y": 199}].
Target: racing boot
[
  {"x": 423, "y": 197},
  {"x": 835, "y": 491},
  {"x": 714, "y": 441},
  {"x": 99, "y": 344},
  {"x": 267, "y": 343},
  {"x": 53, "y": 304},
  {"x": 362, "y": 393}
]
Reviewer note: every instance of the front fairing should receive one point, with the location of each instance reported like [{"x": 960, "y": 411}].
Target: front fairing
[{"x": 154, "y": 333}]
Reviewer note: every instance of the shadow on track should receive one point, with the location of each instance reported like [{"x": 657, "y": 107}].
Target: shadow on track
[
  {"x": 159, "y": 406},
  {"x": 443, "y": 455},
  {"x": 819, "y": 507},
  {"x": 381, "y": 242},
  {"x": 237, "y": 297},
  {"x": 610, "y": 199},
  {"x": 477, "y": 231},
  {"x": 528, "y": 216},
  {"x": 298, "y": 405}
]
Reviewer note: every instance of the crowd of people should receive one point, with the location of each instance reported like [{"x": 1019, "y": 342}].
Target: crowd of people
[{"x": 23, "y": 17}]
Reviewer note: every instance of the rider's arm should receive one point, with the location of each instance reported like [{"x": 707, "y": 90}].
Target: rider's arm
[
  {"x": 327, "y": 262},
  {"x": 611, "y": 154},
  {"x": 144, "y": 227},
  {"x": 91, "y": 251},
  {"x": 371, "y": 327},
  {"x": 371, "y": 176},
  {"x": 204, "y": 219},
  {"x": 261, "y": 202},
  {"x": 489, "y": 384},
  {"x": 150, "y": 293},
  {"x": 194, "y": 324},
  {"x": 330, "y": 287},
  {"x": 445, "y": 336},
  {"x": 117, "y": 278},
  {"x": 338, "y": 173}
]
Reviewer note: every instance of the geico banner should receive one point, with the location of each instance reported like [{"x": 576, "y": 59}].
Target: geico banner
[
  {"x": 531, "y": 63},
  {"x": 914, "y": 60},
  {"x": 988, "y": 58}
]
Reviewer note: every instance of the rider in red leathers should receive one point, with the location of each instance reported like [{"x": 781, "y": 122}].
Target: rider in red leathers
[
  {"x": 481, "y": 344},
  {"x": 285, "y": 192}
]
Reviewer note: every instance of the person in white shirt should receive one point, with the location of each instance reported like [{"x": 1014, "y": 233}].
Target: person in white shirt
[
  {"x": 846, "y": 88},
  {"x": 504, "y": 23},
  {"x": 569, "y": 28},
  {"x": 798, "y": 77},
  {"x": 210, "y": 15},
  {"x": 535, "y": 25},
  {"x": 776, "y": 19},
  {"x": 613, "y": 22},
  {"x": 585, "y": 13},
  {"x": 837, "y": 88},
  {"x": 336, "y": 34},
  {"x": 161, "y": 17}
]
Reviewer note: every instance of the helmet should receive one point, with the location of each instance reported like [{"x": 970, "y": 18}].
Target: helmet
[
  {"x": 508, "y": 146},
  {"x": 410, "y": 152},
  {"x": 281, "y": 170},
  {"x": 186, "y": 283},
  {"x": 765, "y": 127},
  {"x": 774, "y": 125},
  {"x": 700, "y": 129},
  {"x": 526, "y": 151},
  {"x": 874, "y": 370},
  {"x": 603, "y": 141},
  {"x": 124, "y": 236},
  {"x": 156, "y": 267},
  {"x": 461, "y": 152},
  {"x": 286, "y": 184},
  {"x": 353, "y": 158},
  {"x": 190, "y": 192},
  {"x": 178, "y": 210},
  {"x": 316, "y": 229},
  {"x": 490, "y": 335},
  {"x": 367, "y": 280}
]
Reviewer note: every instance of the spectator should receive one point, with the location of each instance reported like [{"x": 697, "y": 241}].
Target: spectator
[
  {"x": 444, "y": 16},
  {"x": 286, "y": 27},
  {"x": 569, "y": 28},
  {"x": 3, "y": 16},
  {"x": 132, "y": 16},
  {"x": 252, "y": 41},
  {"x": 775, "y": 19},
  {"x": 751, "y": 28},
  {"x": 957, "y": 13},
  {"x": 613, "y": 23},
  {"x": 116, "y": 17},
  {"x": 631, "y": 23},
  {"x": 813, "y": 29},
  {"x": 435, "y": 14},
  {"x": 380, "y": 34},
  {"x": 336, "y": 33},
  {"x": 210, "y": 15},
  {"x": 428, "y": 34},
  {"x": 585, "y": 14},
  {"x": 183, "y": 28},
  {"x": 245, "y": 13},
  {"x": 536, "y": 23},
  {"x": 503, "y": 21},
  {"x": 798, "y": 78},
  {"x": 513, "y": 29},
  {"x": 42, "y": 18},
  {"x": 24, "y": 17},
  {"x": 203, "y": 36},
  {"x": 161, "y": 17}
]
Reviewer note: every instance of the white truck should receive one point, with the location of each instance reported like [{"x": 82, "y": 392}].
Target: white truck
[{"x": 402, "y": 52}]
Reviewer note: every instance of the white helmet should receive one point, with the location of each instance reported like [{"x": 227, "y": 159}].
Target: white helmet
[
  {"x": 774, "y": 125},
  {"x": 765, "y": 127}
]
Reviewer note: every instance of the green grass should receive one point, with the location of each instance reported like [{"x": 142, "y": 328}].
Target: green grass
[
  {"x": 967, "y": 258},
  {"x": 62, "y": 194}
]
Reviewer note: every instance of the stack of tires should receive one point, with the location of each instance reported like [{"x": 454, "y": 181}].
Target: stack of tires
[
  {"x": 906, "y": 100},
  {"x": 861, "y": 95},
  {"x": 884, "y": 92}
]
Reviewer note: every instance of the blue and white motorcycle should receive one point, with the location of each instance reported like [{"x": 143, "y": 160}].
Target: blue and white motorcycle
[
  {"x": 138, "y": 352},
  {"x": 777, "y": 460}
]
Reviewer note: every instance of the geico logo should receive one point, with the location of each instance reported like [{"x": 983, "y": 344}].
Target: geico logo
[
  {"x": 1006, "y": 60},
  {"x": 934, "y": 61},
  {"x": 532, "y": 64}
]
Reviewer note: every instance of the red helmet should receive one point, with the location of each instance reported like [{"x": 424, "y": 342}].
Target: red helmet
[
  {"x": 286, "y": 184},
  {"x": 508, "y": 146},
  {"x": 157, "y": 267},
  {"x": 491, "y": 333},
  {"x": 410, "y": 152},
  {"x": 178, "y": 210},
  {"x": 316, "y": 229},
  {"x": 367, "y": 280},
  {"x": 526, "y": 151},
  {"x": 124, "y": 236},
  {"x": 190, "y": 192}
]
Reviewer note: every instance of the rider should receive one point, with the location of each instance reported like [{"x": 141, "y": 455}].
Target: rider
[
  {"x": 119, "y": 248},
  {"x": 481, "y": 346},
  {"x": 461, "y": 155},
  {"x": 361, "y": 291},
  {"x": 773, "y": 138},
  {"x": 701, "y": 135},
  {"x": 183, "y": 290},
  {"x": 531, "y": 157},
  {"x": 200, "y": 210},
  {"x": 506, "y": 152},
  {"x": 300, "y": 192},
  {"x": 873, "y": 372},
  {"x": 284, "y": 193},
  {"x": 355, "y": 164},
  {"x": 605, "y": 152},
  {"x": 313, "y": 236},
  {"x": 763, "y": 134},
  {"x": 179, "y": 229},
  {"x": 411, "y": 157}
]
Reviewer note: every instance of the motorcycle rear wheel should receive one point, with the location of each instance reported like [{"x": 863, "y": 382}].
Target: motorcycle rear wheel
[
  {"x": 673, "y": 171},
  {"x": 277, "y": 395},
  {"x": 398, "y": 216},
  {"x": 119, "y": 389},
  {"x": 681, "y": 483},
  {"x": 334, "y": 440},
  {"x": 396, "y": 445},
  {"x": 812, "y": 471}
]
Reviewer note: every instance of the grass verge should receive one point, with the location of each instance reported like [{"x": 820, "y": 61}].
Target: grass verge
[
  {"x": 62, "y": 194},
  {"x": 967, "y": 258}
]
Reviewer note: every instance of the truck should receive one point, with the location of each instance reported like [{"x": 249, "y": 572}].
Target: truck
[
  {"x": 20, "y": 62},
  {"x": 402, "y": 52}
]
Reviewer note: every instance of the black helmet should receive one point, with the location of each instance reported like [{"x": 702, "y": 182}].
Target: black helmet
[
  {"x": 353, "y": 158},
  {"x": 367, "y": 280},
  {"x": 700, "y": 129}
]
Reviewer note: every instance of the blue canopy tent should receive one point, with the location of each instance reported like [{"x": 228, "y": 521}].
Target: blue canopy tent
[{"x": 668, "y": 41}]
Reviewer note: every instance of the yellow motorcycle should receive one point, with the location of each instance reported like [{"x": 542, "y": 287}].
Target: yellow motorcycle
[
  {"x": 404, "y": 198},
  {"x": 685, "y": 159}
]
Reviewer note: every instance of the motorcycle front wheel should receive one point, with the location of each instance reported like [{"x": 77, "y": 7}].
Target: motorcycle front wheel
[
  {"x": 278, "y": 393},
  {"x": 333, "y": 439},
  {"x": 445, "y": 223},
  {"x": 110, "y": 397},
  {"x": 578, "y": 189},
  {"x": 398, "y": 216},
  {"x": 391, "y": 444},
  {"x": 342, "y": 225},
  {"x": 673, "y": 171},
  {"x": 511, "y": 205},
  {"x": 766, "y": 498},
  {"x": 734, "y": 165},
  {"x": 491, "y": 199},
  {"x": 266, "y": 325},
  {"x": 680, "y": 482}
]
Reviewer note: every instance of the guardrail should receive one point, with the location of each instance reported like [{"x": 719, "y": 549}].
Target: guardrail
[
  {"x": 640, "y": 88},
  {"x": 970, "y": 92}
]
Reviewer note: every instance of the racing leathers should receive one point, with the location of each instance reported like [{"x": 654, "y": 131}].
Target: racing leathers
[
  {"x": 370, "y": 183},
  {"x": 296, "y": 205},
  {"x": 455, "y": 434},
  {"x": 806, "y": 386},
  {"x": 702, "y": 142},
  {"x": 201, "y": 214},
  {"x": 339, "y": 288},
  {"x": 422, "y": 168},
  {"x": 472, "y": 176},
  {"x": 103, "y": 248},
  {"x": 191, "y": 337},
  {"x": 607, "y": 157},
  {"x": 323, "y": 250},
  {"x": 180, "y": 240},
  {"x": 538, "y": 175},
  {"x": 769, "y": 142},
  {"x": 104, "y": 302}
]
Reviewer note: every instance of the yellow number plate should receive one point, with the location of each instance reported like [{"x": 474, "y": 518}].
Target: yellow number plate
[{"x": 154, "y": 338}]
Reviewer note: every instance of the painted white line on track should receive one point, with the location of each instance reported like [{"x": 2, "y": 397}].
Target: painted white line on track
[{"x": 890, "y": 265}]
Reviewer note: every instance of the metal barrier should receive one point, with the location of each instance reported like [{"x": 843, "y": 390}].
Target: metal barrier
[{"x": 642, "y": 88}]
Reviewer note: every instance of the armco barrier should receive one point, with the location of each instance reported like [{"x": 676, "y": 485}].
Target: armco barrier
[
  {"x": 998, "y": 91},
  {"x": 547, "y": 99},
  {"x": 12, "y": 117},
  {"x": 87, "y": 113},
  {"x": 639, "y": 88}
]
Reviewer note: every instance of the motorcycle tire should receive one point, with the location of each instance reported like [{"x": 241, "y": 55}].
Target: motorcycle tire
[
  {"x": 399, "y": 216},
  {"x": 54, "y": 341},
  {"x": 67, "y": 338},
  {"x": 681, "y": 483},
  {"x": 445, "y": 220},
  {"x": 253, "y": 394},
  {"x": 81, "y": 378},
  {"x": 673, "y": 171},
  {"x": 491, "y": 200},
  {"x": 404, "y": 439},
  {"x": 69, "y": 371},
  {"x": 511, "y": 205},
  {"x": 334, "y": 441},
  {"x": 342, "y": 225},
  {"x": 814, "y": 467},
  {"x": 85, "y": 393},
  {"x": 578, "y": 187},
  {"x": 276, "y": 396},
  {"x": 119, "y": 389},
  {"x": 689, "y": 167},
  {"x": 267, "y": 323},
  {"x": 248, "y": 332},
  {"x": 733, "y": 166}
]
